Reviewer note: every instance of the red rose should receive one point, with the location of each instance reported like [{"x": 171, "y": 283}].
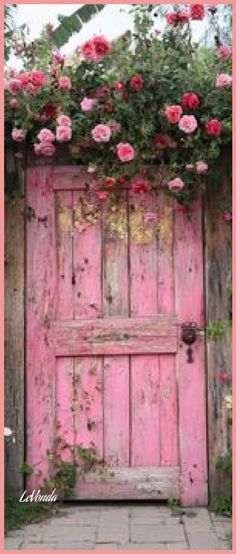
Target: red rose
[
  {"x": 50, "y": 111},
  {"x": 214, "y": 127},
  {"x": 136, "y": 82},
  {"x": 172, "y": 18},
  {"x": 108, "y": 108},
  {"x": 162, "y": 141},
  {"x": 109, "y": 181},
  {"x": 102, "y": 46},
  {"x": 190, "y": 100},
  {"x": 102, "y": 92},
  {"x": 197, "y": 11},
  {"x": 140, "y": 185},
  {"x": 121, "y": 180},
  {"x": 183, "y": 17},
  {"x": 119, "y": 86}
]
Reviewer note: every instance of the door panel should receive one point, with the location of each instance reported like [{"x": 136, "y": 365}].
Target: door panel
[{"x": 106, "y": 296}]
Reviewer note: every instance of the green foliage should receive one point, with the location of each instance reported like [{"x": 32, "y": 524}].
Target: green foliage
[
  {"x": 221, "y": 506},
  {"x": 63, "y": 481},
  {"x": 169, "y": 67},
  {"x": 88, "y": 457},
  {"x": 17, "y": 514},
  {"x": 73, "y": 23},
  {"x": 26, "y": 469},
  {"x": 218, "y": 329},
  {"x": 222, "y": 503}
]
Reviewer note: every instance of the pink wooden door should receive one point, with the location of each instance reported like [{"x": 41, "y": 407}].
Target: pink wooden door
[{"x": 107, "y": 370}]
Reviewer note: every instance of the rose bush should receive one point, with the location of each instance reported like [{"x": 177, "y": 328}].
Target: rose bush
[{"x": 163, "y": 102}]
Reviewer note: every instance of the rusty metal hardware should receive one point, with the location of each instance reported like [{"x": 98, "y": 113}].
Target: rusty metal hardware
[{"x": 189, "y": 336}]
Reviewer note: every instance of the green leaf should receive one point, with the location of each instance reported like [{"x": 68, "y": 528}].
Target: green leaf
[{"x": 73, "y": 23}]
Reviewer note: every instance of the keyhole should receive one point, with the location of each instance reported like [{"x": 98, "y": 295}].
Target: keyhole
[{"x": 189, "y": 355}]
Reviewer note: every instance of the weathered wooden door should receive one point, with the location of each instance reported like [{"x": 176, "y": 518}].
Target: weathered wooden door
[{"x": 108, "y": 375}]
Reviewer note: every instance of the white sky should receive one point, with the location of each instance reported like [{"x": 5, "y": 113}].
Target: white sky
[{"x": 112, "y": 21}]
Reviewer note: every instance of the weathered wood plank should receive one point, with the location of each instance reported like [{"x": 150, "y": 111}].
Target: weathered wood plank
[
  {"x": 116, "y": 411},
  {"x": 165, "y": 273},
  {"x": 115, "y": 336},
  {"x": 191, "y": 377},
  {"x": 40, "y": 310},
  {"x": 14, "y": 331},
  {"x": 145, "y": 434},
  {"x": 168, "y": 411},
  {"x": 63, "y": 217},
  {"x": 64, "y": 396},
  {"x": 218, "y": 276},
  {"x": 88, "y": 404},
  {"x": 129, "y": 483},
  {"x": 87, "y": 264}
]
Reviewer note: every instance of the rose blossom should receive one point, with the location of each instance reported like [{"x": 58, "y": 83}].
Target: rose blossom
[
  {"x": 140, "y": 186},
  {"x": 13, "y": 102},
  {"x": 46, "y": 135},
  {"x": 223, "y": 80},
  {"x": 96, "y": 49},
  {"x": 87, "y": 104},
  {"x": 14, "y": 86},
  {"x": 102, "y": 195},
  {"x": 136, "y": 82},
  {"x": 57, "y": 57},
  {"x": 197, "y": 11},
  {"x": 63, "y": 133},
  {"x": 163, "y": 141},
  {"x": 183, "y": 17},
  {"x": 64, "y": 82},
  {"x": 101, "y": 133},
  {"x": 64, "y": 120},
  {"x": 18, "y": 134},
  {"x": 173, "y": 113},
  {"x": 201, "y": 167},
  {"x": 119, "y": 86},
  {"x": 172, "y": 18},
  {"x": 37, "y": 78},
  {"x": 44, "y": 149},
  {"x": 125, "y": 152},
  {"x": 190, "y": 100},
  {"x": 175, "y": 184},
  {"x": 214, "y": 127},
  {"x": 109, "y": 181},
  {"x": 188, "y": 124},
  {"x": 224, "y": 52}
]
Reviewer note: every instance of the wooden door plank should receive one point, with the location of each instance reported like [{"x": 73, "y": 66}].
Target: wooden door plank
[
  {"x": 115, "y": 265},
  {"x": 88, "y": 404},
  {"x": 65, "y": 408},
  {"x": 65, "y": 300},
  {"x": 145, "y": 432},
  {"x": 191, "y": 377},
  {"x": 87, "y": 263},
  {"x": 40, "y": 306},
  {"x": 165, "y": 254},
  {"x": 130, "y": 483},
  {"x": 116, "y": 411},
  {"x": 168, "y": 411}
]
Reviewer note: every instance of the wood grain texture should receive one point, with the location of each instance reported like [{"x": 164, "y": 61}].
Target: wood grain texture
[
  {"x": 64, "y": 242},
  {"x": 40, "y": 306},
  {"x": 191, "y": 377},
  {"x": 14, "y": 332},
  {"x": 116, "y": 411},
  {"x": 64, "y": 397},
  {"x": 168, "y": 411},
  {"x": 115, "y": 336},
  {"x": 218, "y": 275}
]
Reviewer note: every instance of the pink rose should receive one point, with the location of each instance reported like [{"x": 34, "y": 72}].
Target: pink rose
[
  {"x": 14, "y": 86},
  {"x": 63, "y": 133},
  {"x": 102, "y": 195},
  {"x": 140, "y": 186},
  {"x": 188, "y": 124},
  {"x": 13, "y": 102},
  {"x": 224, "y": 52},
  {"x": 175, "y": 184},
  {"x": 18, "y": 134},
  {"x": 125, "y": 152},
  {"x": 223, "y": 80},
  {"x": 173, "y": 113},
  {"x": 64, "y": 120},
  {"x": 37, "y": 78},
  {"x": 101, "y": 133},
  {"x": 96, "y": 49},
  {"x": 33, "y": 89},
  {"x": 64, "y": 82},
  {"x": 87, "y": 104},
  {"x": 44, "y": 149},
  {"x": 201, "y": 167},
  {"x": 46, "y": 135},
  {"x": 57, "y": 57}
]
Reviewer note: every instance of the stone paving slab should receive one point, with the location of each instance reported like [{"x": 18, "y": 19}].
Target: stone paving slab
[{"x": 124, "y": 527}]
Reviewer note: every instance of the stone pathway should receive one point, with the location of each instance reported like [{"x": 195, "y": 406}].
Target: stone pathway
[{"x": 124, "y": 527}]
